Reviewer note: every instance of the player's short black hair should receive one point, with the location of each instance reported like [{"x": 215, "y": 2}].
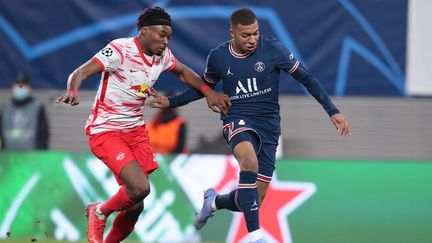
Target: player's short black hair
[
  {"x": 153, "y": 16},
  {"x": 243, "y": 16}
]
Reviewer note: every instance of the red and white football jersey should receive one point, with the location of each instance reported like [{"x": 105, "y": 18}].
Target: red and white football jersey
[{"x": 127, "y": 75}]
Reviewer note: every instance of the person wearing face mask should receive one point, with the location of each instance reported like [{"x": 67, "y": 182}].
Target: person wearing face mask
[{"x": 23, "y": 122}]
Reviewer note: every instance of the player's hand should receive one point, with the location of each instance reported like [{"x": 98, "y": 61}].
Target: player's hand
[
  {"x": 68, "y": 98},
  {"x": 218, "y": 102},
  {"x": 158, "y": 101},
  {"x": 341, "y": 124}
]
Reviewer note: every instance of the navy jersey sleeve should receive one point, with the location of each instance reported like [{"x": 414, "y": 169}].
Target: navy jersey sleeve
[
  {"x": 187, "y": 96},
  {"x": 211, "y": 73},
  {"x": 315, "y": 88},
  {"x": 210, "y": 76},
  {"x": 284, "y": 59}
]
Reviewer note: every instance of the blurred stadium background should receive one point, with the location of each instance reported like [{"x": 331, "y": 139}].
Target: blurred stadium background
[{"x": 373, "y": 57}]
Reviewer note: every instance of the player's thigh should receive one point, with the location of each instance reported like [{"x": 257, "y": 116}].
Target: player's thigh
[
  {"x": 135, "y": 178},
  {"x": 142, "y": 150},
  {"x": 245, "y": 146},
  {"x": 112, "y": 150},
  {"x": 236, "y": 131}
]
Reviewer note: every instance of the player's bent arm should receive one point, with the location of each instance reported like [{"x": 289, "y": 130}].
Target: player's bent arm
[
  {"x": 187, "y": 75},
  {"x": 315, "y": 88},
  {"x": 218, "y": 102},
  {"x": 81, "y": 73},
  {"x": 74, "y": 82},
  {"x": 187, "y": 96}
]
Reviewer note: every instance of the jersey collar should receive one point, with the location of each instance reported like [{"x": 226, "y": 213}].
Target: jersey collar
[
  {"x": 235, "y": 54},
  {"x": 144, "y": 57}
]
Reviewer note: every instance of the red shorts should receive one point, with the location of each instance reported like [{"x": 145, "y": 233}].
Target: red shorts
[{"x": 117, "y": 148}]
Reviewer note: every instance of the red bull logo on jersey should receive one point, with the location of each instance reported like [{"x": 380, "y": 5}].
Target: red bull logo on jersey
[{"x": 141, "y": 90}]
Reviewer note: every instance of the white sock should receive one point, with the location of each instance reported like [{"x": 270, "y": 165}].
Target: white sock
[
  {"x": 213, "y": 205},
  {"x": 255, "y": 235},
  {"x": 99, "y": 213}
]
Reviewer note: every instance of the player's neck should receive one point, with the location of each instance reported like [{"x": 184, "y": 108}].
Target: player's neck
[{"x": 236, "y": 50}]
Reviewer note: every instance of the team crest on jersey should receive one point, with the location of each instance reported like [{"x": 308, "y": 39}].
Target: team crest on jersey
[
  {"x": 107, "y": 52},
  {"x": 259, "y": 66},
  {"x": 291, "y": 56}
]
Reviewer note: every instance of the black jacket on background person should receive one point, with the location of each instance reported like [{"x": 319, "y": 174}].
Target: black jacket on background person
[{"x": 42, "y": 127}]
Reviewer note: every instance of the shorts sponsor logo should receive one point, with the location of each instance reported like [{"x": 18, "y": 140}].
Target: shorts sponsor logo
[{"x": 120, "y": 156}]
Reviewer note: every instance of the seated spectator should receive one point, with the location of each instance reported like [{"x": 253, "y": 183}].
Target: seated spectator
[{"x": 23, "y": 122}]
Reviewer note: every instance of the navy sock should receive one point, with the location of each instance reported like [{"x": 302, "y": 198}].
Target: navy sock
[
  {"x": 248, "y": 199},
  {"x": 228, "y": 201}
]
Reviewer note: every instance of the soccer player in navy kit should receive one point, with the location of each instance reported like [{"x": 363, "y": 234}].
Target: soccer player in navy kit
[{"x": 250, "y": 65}]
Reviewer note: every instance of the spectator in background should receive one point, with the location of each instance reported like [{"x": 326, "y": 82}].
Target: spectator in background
[
  {"x": 167, "y": 132},
  {"x": 23, "y": 122}
]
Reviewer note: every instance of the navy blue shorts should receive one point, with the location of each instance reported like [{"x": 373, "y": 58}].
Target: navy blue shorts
[{"x": 264, "y": 143}]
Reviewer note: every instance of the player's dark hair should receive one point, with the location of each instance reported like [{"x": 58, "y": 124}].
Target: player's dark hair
[
  {"x": 243, "y": 16},
  {"x": 153, "y": 16}
]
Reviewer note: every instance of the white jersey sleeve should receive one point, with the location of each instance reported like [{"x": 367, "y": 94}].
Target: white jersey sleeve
[
  {"x": 110, "y": 57},
  {"x": 168, "y": 60}
]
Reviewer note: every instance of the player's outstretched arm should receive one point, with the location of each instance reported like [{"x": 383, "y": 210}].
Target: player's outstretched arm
[
  {"x": 216, "y": 101},
  {"x": 187, "y": 96},
  {"x": 74, "y": 82},
  {"x": 315, "y": 88}
]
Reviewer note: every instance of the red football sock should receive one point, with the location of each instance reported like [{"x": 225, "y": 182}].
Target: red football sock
[
  {"x": 122, "y": 226},
  {"x": 120, "y": 201}
]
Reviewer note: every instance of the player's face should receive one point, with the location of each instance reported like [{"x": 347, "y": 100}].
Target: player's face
[
  {"x": 156, "y": 38},
  {"x": 245, "y": 37}
]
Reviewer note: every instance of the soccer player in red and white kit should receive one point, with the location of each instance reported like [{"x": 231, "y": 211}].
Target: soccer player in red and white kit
[{"x": 116, "y": 126}]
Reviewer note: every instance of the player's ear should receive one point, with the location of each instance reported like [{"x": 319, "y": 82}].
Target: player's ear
[
  {"x": 143, "y": 31},
  {"x": 231, "y": 32}
]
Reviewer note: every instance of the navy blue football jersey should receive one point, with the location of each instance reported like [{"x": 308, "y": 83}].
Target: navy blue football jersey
[{"x": 251, "y": 80}]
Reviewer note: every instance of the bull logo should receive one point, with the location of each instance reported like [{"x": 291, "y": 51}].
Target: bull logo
[{"x": 141, "y": 90}]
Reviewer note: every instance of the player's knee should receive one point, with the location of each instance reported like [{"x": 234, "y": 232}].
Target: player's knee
[
  {"x": 138, "y": 193},
  {"x": 134, "y": 212},
  {"x": 137, "y": 209},
  {"x": 249, "y": 164}
]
